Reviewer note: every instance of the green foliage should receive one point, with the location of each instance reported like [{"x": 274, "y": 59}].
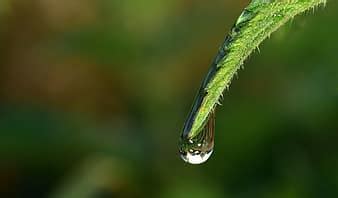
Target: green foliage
[{"x": 257, "y": 22}]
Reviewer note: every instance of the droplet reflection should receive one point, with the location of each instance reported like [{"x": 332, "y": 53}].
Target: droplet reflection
[
  {"x": 196, "y": 158},
  {"x": 198, "y": 149}
]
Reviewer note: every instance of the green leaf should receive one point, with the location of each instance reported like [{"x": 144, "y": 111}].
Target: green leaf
[{"x": 257, "y": 22}]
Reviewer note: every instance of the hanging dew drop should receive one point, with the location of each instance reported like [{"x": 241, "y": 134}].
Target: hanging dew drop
[{"x": 198, "y": 149}]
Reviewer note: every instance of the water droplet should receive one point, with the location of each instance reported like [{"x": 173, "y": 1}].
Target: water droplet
[{"x": 198, "y": 149}]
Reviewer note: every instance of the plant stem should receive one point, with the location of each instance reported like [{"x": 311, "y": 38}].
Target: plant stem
[{"x": 257, "y": 22}]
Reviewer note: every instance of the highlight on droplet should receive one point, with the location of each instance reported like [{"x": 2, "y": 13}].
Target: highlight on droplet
[{"x": 198, "y": 149}]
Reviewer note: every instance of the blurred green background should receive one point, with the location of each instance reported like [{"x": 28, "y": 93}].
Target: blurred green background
[{"x": 94, "y": 95}]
